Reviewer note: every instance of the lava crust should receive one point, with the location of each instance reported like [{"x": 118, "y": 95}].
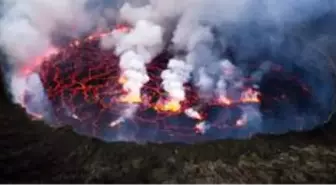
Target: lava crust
[{"x": 83, "y": 85}]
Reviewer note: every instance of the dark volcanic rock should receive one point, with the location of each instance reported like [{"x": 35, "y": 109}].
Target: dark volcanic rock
[{"x": 32, "y": 152}]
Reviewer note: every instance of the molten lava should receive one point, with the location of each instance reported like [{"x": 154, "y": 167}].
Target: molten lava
[
  {"x": 168, "y": 106},
  {"x": 85, "y": 87},
  {"x": 84, "y": 83}
]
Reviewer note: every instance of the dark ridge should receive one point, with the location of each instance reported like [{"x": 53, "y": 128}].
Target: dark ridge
[{"x": 5, "y": 97}]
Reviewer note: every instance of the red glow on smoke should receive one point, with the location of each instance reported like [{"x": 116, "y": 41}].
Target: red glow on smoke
[{"x": 37, "y": 61}]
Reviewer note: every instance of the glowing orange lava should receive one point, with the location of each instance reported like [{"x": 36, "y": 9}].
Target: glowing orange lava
[
  {"x": 102, "y": 86},
  {"x": 131, "y": 98},
  {"x": 163, "y": 104},
  {"x": 225, "y": 101},
  {"x": 250, "y": 96},
  {"x": 168, "y": 106}
]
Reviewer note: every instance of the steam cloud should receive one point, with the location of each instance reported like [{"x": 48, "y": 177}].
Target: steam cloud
[
  {"x": 199, "y": 29},
  {"x": 136, "y": 49}
]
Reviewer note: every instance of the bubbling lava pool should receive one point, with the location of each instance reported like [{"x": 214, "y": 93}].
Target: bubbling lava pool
[{"x": 84, "y": 86}]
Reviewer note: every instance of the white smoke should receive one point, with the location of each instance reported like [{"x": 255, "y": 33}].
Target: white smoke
[
  {"x": 230, "y": 77},
  {"x": 136, "y": 49},
  {"x": 31, "y": 92},
  {"x": 156, "y": 11},
  {"x": 174, "y": 77},
  {"x": 27, "y": 26},
  {"x": 194, "y": 32},
  {"x": 133, "y": 15},
  {"x": 26, "y": 30},
  {"x": 194, "y": 35}
]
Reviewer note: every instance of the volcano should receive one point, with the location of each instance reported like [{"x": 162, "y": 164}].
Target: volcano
[{"x": 84, "y": 86}]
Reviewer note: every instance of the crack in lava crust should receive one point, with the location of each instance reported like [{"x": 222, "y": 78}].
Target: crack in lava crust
[{"x": 81, "y": 82}]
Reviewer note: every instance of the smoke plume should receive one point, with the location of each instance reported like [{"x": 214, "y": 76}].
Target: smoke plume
[{"x": 136, "y": 49}]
